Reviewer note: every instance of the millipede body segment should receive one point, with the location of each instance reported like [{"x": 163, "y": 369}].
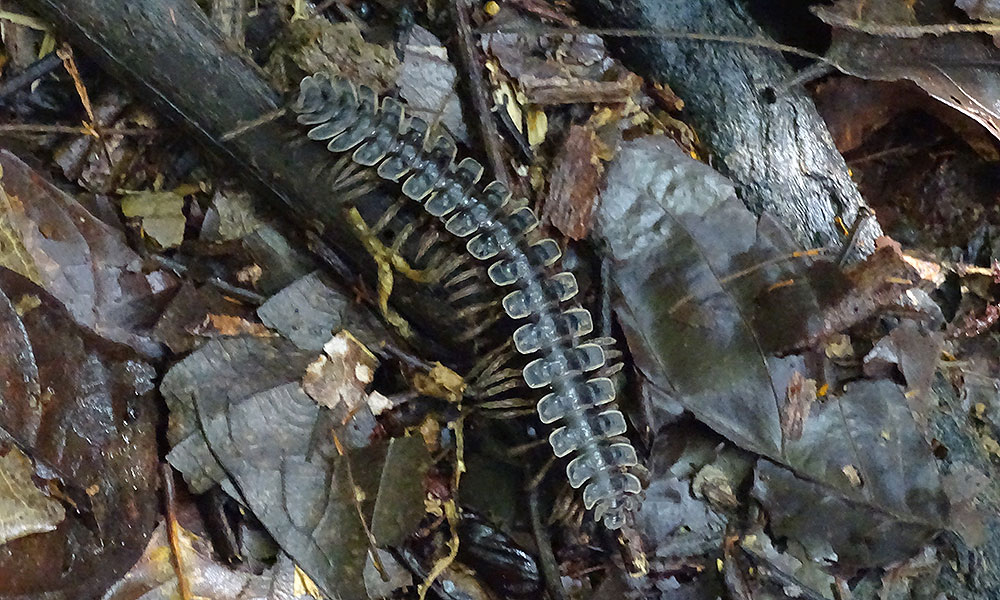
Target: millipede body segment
[{"x": 350, "y": 119}]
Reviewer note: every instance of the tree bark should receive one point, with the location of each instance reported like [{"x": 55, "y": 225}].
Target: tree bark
[{"x": 773, "y": 145}]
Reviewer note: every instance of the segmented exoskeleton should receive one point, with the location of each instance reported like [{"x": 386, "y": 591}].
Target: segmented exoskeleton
[{"x": 504, "y": 233}]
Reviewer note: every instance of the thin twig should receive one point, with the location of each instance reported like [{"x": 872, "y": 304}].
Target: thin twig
[
  {"x": 173, "y": 533},
  {"x": 758, "y": 42},
  {"x": 546, "y": 556},
  {"x": 248, "y": 125},
  {"x": 38, "y": 128},
  {"x": 900, "y": 31},
  {"x": 864, "y": 213},
  {"x": 66, "y": 54},
  {"x": 480, "y": 98},
  {"x": 29, "y": 75},
  {"x": 248, "y": 296},
  {"x": 355, "y": 499}
]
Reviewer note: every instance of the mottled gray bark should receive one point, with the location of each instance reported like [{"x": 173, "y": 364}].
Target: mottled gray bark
[{"x": 775, "y": 148}]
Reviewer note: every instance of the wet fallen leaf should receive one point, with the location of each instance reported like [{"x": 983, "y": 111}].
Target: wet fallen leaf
[
  {"x": 81, "y": 409},
  {"x": 956, "y": 69},
  {"x": 427, "y": 82},
  {"x": 195, "y": 313},
  {"x": 242, "y": 416},
  {"x": 308, "y": 310}
]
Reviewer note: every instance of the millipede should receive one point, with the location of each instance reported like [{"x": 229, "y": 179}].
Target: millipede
[{"x": 553, "y": 332}]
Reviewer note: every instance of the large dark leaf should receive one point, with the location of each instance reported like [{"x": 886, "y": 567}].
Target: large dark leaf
[
  {"x": 711, "y": 304},
  {"x": 81, "y": 409}
]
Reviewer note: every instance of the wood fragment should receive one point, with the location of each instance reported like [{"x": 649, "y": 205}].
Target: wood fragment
[{"x": 573, "y": 187}]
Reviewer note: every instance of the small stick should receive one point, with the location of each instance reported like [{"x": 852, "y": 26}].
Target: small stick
[
  {"x": 66, "y": 54},
  {"x": 39, "y": 128},
  {"x": 900, "y": 31},
  {"x": 32, "y": 72},
  {"x": 173, "y": 533},
  {"x": 545, "y": 554},
  {"x": 480, "y": 98},
  {"x": 864, "y": 213},
  {"x": 248, "y": 125}
]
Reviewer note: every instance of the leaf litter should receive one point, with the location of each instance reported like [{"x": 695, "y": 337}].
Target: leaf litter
[
  {"x": 738, "y": 331},
  {"x": 706, "y": 338}
]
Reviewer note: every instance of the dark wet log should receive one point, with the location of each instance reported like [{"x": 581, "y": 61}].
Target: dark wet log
[
  {"x": 774, "y": 146},
  {"x": 169, "y": 53}
]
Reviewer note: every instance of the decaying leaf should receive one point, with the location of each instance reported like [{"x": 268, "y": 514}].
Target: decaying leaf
[
  {"x": 197, "y": 313},
  {"x": 244, "y": 413},
  {"x": 161, "y": 215},
  {"x": 276, "y": 260},
  {"x": 874, "y": 494},
  {"x": 154, "y": 577},
  {"x": 315, "y": 45},
  {"x": 337, "y": 379},
  {"x": 230, "y": 216},
  {"x": 956, "y": 69},
  {"x": 574, "y": 69}
]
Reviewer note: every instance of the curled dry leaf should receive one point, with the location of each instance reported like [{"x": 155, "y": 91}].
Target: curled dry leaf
[{"x": 956, "y": 69}]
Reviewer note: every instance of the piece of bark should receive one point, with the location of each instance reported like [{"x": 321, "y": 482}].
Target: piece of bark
[
  {"x": 170, "y": 54},
  {"x": 774, "y": 147},
  {"x": 573, "y": 186}
]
